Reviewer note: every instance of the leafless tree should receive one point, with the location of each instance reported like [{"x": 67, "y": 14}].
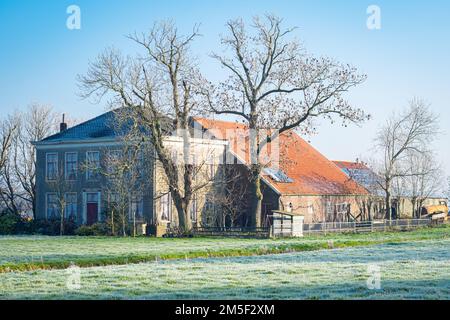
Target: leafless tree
[
  {"x": 233, "y": 201},
  {"x": 162, "y": 83},
  {"x": 125, "y": 174},
  {"x": 37, "y": 122},
  {"x": 274, "y": 83},
  {"x": 410, "y": 132},
  {"x": 448, "y": 188},
  {"x": 8, "y": 187},
  {"x": 60, "y": 186},
  {"x": 424, "y": 180},
  {"x": 7, "y": 131}
]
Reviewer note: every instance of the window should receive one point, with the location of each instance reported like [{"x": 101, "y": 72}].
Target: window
[
  {"x": 71, "y": 165},
  {"x": 92, "y": 197},
  {"x": 52, "y": 206},
  {"x": 114, "y": 199},
  {"x": 137, "y": 206},
  {"x": 211, "y": 167},
  {"x": 71, "y": 206},
  {"x": 193, "y": 210},
  {"x": 93, "y": 165},
  {"x": 329, "y": 208},
  {"x": 115, "y": 157},
  {"x": 342, "y": 208},
  {"x": 140, "y": 160},
  {"x": 166, "y": 207},
  {"x": 51, "y": 166},
  {"x": 209, "y": 212}
]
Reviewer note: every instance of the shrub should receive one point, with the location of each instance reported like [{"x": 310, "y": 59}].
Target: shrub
[
  {"x": 97, "y": 229},
  {"x": 8, "y": 223},
  {"x": 45, "y": 227}
]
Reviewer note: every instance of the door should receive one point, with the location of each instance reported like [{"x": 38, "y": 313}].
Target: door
[
  {"x": 92, "y": 206},
  {"x": 92, "y": 210}
]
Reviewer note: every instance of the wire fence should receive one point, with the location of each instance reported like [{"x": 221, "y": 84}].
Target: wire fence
[
  {"x": 316, "y": 228},
  {"x": 365, "y": 226}
]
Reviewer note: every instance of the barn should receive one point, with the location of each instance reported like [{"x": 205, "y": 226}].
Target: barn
[{"x": 304, "y": 182}]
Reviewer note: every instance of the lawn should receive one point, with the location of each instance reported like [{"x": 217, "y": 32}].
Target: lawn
[
  {"x": 41, "y": 252},
  {"x": 408, "y": 270}
]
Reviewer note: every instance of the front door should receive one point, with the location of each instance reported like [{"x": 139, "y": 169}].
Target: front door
[{"x": 92, "y": 208}]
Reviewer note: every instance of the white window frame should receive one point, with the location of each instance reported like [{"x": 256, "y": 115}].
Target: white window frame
[
  {"x": 47, "y": 204},
  {"x": 167, "y": 203},
  {"x": 66, "y": 204},
  {"x": 47, "y": 178},
  {"x": 66, "y": 171},
  {"x": 139, "y": 202},
  {"x": 89, "y": 170},
  {"x": 111, "y": 153},
  {"x": 212, "y": 166}
]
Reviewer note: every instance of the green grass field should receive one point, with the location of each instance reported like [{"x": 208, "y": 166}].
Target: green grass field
[
  {"x": 41, "y": 252},
  {"x": 412, "y": 265}
]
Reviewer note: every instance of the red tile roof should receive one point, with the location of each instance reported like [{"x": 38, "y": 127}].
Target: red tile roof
[{"x": 312, "y": 173}]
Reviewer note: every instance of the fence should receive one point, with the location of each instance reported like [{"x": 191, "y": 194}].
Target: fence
[
  {"x": 232, "y": 232},
  {"x": 365, "y": 226}
]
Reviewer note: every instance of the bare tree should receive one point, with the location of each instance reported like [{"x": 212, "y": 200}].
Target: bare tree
[
  {"x": 60, "y": 187},
  {"x": 404, "y": 134},
  {"x": 38, "y": 122},
  {"x": 161, "y": 84},
  {"x": 424, "y": 180},
  {"x": 233, "y": 200},
  {"x": 125, "y": 173},
  {"x": 8, "y": 185},
  {"x": 448, "y": 188},
  {"x": 274, "y": 83},
  {"x": 7, "y": 131}
]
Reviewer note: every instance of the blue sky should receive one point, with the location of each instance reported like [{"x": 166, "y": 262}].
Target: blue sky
[{"x": 409, "y": 56}]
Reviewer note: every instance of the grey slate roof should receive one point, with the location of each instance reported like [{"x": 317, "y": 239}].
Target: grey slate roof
[
  {"x": 105, "y": 126},
  {"x": 98, "y": 127}
]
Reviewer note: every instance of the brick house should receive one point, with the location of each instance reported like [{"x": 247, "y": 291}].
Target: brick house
[
  {"x": 71, "y": 164},
  {"x": 304, "y": 182}
]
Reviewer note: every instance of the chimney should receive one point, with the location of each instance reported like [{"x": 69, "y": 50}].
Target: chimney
[{"x": 62, "y": 125}]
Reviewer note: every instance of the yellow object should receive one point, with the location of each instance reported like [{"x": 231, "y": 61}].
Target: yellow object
[{"x": 435, "y": 210}]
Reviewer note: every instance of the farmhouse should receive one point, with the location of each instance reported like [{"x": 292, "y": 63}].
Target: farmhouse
[
  {"x": 75, "y": 168},
  {"x": 73, "y": 165},
  {"x": 304, "y": 182}
]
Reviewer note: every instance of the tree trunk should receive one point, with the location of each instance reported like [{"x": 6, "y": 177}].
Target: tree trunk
[
  {"x": 113, "y": 231},
  {"x": 414, "y": 209},
  {"x": 184, "y": 220},
  {"x": 124, "y": 232},
  {"x": 388, "y": 201},
  {"x": 134, "y": 223},
  {"x": 256, "y": 198},
  {"x": 61, "y": 225},
  {"x": 33, "y": 205}
]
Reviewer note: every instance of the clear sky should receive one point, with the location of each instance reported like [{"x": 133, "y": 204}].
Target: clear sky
[{"x": 407, "y": 57}]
